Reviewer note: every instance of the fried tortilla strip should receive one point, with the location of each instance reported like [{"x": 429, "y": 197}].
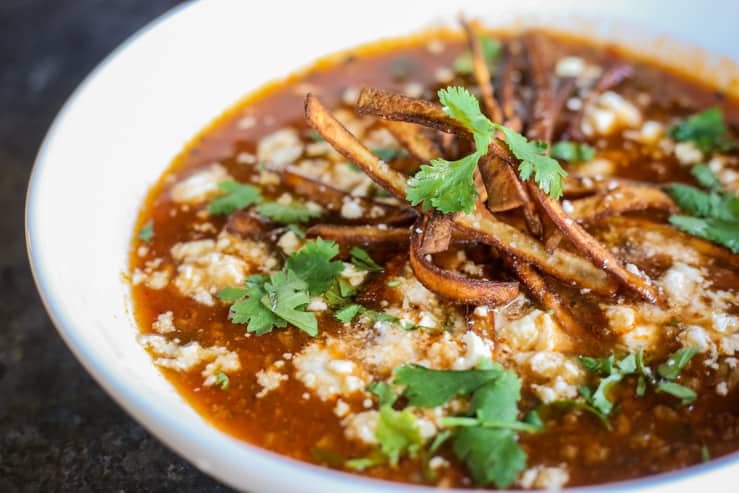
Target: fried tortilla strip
[
  {"x": 347, "y": 144},
  {"x": 333, "y": 199},
  {"x": 563, "y": 265},
  {"x": 451, "y": 285},
  {"x": 547, "y": 297},
  {"x": 504, "y": 188},
  {"x": 481, "y": 224},
  {"x": 592, "y": 248},
  {"x": 618, "y": 201},
  {"x": 394, "y": 106},
  {"x": 359, "y": 235},
  {"x": 437, "y": 233},
  {"x": 414, "y": 140},
  {"x": 248, "y": 225},
  {"x": 480, "y": 70}
]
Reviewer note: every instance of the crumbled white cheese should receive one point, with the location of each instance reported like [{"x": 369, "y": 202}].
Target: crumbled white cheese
[
  {"x": 269, "y": 379},
  {"x": 536, "y": 330},
  {"x": 280, "y": 148},
  {"x": 476, "y": 348},
  {"x": 681, "y": 283},
  {"x": 164, "y": 323},
  {"x": 325, "y": 375},
  {"x": 353, "y": 276},
  {"x": 542, "y": 477},
  {"x": 351, "y": 209},
  {"x": 687, "y": 153},
  {"x": 361, "y": 427},
  {"x": 200, "y": 186},
  {"x": 289, "y": 243},
  {"x": 170, "y": 354},
  {"x": 608, "y": 113},
  {"x": 316, "y": 305},
  {"x": 341, "y": 409}
]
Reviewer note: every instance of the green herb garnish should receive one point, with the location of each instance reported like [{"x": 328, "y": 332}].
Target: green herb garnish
[
  {"x": 491, "y": 51},
  {"x": 146, "y": 233},
  {"x": 235, "y": 196},
  {"x": 294, "y": 212},
  {"x": 706, "y": 130},
  {"x": 572, "y": 152}
]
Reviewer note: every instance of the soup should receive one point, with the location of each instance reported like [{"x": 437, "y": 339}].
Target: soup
[{"x": 497, "y": 260}]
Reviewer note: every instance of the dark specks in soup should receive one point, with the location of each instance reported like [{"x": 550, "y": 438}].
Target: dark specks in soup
[{"x": 486, "y": 261}]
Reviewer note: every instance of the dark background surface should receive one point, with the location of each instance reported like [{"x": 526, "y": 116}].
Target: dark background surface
[{"x": 58, "y": 430}]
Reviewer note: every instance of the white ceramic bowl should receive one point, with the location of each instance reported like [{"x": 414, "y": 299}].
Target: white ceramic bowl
[{"x": 127, "y": 120}]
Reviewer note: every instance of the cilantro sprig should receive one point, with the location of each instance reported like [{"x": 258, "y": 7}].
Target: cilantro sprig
[
  {"x": 448, "y": 186},
  {"x": 572, "y": 152},
  {"x": 707, "y": 130},
  {"x": 274, "y": 301},
  {"x": 613, "y": 370},
  {"x": 714, "y": 214}
]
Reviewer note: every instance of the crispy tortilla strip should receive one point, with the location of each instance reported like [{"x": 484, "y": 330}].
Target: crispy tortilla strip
[
  {"x": 414, "y": 140},
  {"x": 451, "y": 285},
  {"x": 563, "y": 265},
  {"x": 394, "y": 106},
  {"x": 502, "y": 184},
  {"x": 437, "y": 234},
  {"x": 541, "y": 81},
  {"x": 592, "y": 248},
  {"x": 360, "y": 235},
  {"x": 547, "y": 297},
  {"x": 618, "y": 201},
  {"x": 351, "y": 148},
  {"x": 333, "y": 199},
  {"x": 480, "y": 70},
  {"x": 248, "y": 225}
]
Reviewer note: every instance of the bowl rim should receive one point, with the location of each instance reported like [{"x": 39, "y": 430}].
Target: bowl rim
[{"x": 134, "y": 402}]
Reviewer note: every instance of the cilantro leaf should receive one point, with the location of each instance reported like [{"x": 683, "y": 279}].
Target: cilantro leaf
[
  {"x": 720, "y": 231},
  {"x": 492, "y": 455},
  {"x": 222, "y": 380},
  {"x": 398, "y": 433},
  {"x": 235, "y": 196},
  {"x": 362, "y": 260},
  {"x": 497, "y": 400},
  {"x": 572, "y": 152},
  {"x": 339, "y": 294},
  {"x": 612, "y": 371},
  {"x": 287, "y": 296},
  {"x": 448, "y": 186},
  {"x": 671, "y": 368},
  {"x": 146, "y": 233},
  {"x": 706, "y": 130},
  {"x": 683, "y": 393},
  {"x": 461, "y": 105},
  {"x": 546, "y": 172},
  {"x": 297, "y": 230},
  {"x": 294, "y": 212},
  {"x": 600, "y": 366},
  {"x": 258, "y": 317},
  {"x": 705, "y": 176},
  {"x": 431, "y": 388},
  {"x": 384, "y": 393},
  {"x": 313, "y": 264},
  {"x": 347, "y": 313},
  {"x": 231, "y": 294},
  {"x": 387, "y": 154}
]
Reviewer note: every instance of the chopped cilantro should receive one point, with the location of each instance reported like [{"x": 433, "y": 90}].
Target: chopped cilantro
[
  {"x": 375, "y": 316},
  {"x": 394, "y": 283},
  {"x": 431, "y": 388},
  {"x": 362, "y": 260},
  {"x": 231, "y": 294},
  {"x": 326, "y": 456},
  {"x": 671, "y": 368},
  {"x": 313, "y": 264},
  {"x": 612, "y": 371},
  {"x": 147, "y": 232},
  {"x": 706, "y": 130},
  {"x": 491, "y": 51},
  {"x": 398, "y": 433},
  {"x": 222, "y": 380},
  {"x": 287, "y": 296},
  {"x": 714, "y": 215},
  {"x": 347, "y": 313},
  {"x": 235, "y": 196},
  {"x": 705, "y": 176},
  {"x": 340, "y": 293},
  {"x": 546, "y": 172},
  {"x": 449, "y": 186},
  {"x": 365, "y": 462},
  {"x": 572, "y": 152},
  {"x": 294, "y": 212},
  {"x": 384, "y": 393},
  {"x": 569, "y": 404},
  {"x": 705, "y": 453},
  {"x": 683, "y": 393},
  {"x": 387, "y": 154}
]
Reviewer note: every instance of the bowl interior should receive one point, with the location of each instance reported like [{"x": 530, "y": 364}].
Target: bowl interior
[{"x": 125, "y": 123}]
